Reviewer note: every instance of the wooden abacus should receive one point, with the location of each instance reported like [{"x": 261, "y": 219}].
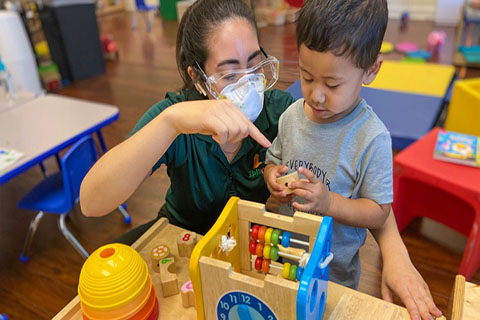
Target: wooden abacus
[{"x": 226, "y": 284}]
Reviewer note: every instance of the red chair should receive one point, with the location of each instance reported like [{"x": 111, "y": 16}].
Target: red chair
[{"x": 445, "y": 192}]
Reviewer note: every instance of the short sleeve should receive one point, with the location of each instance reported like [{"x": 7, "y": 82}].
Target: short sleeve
[{"x": 376, "y": 181}]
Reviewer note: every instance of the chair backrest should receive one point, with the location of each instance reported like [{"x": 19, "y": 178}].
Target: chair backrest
[
  {"x": 140, "y": 4},
  {"x": 75, "y": 165}
]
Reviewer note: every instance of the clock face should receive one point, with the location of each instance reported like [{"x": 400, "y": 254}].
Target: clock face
[{"x": 239, "y": 305}]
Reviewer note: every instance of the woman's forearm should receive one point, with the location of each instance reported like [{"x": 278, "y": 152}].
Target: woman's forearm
[{"x": 118, "y": 173}]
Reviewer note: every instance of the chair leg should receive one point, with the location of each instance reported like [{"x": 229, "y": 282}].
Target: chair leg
[
  {"x": 150, "y": 15},
  {"x": 31, "y": 232},
  {"x": 126, "y": 217},
  {"x": 134, "y": 20},
  {"x": 73, "y": 241},
  {"x": 471, "y": 256}
]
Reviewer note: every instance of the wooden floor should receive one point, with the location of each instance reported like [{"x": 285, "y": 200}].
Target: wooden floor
[{"x": 145, "y": 71}]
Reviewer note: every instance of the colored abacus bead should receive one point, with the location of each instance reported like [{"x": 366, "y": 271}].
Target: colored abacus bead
[
  {"x": 254, "y": 232},
  {"x": 286, "y": 270},
  {"x": 252, "y": 247},
  {"x": 299, "y": 273},
  {"x": 268, "y": 235},
  {"x": 286, "y": 239},
  {"x": 275, "y": 237},
  {"x": 266, "y": 251},
  {"x": 265, "y": 265},
  {"x": 261, "y": 234},
  {"x": 293, "y": 272},
  {"x": 274, "y": 253},
  {"x": 258, "y": 264},
  {"x": 259, "y": 250}
]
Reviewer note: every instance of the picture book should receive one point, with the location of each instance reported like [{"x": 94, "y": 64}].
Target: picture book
[
  {"x": 458, "y": 148},
  {"x": 7, "y": 157}
]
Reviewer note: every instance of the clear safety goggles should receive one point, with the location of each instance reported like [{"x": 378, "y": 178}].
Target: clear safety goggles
[{"x": 215, "y": 83}]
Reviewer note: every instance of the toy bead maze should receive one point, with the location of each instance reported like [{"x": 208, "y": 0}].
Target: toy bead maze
[
  {"x": 236, "y": 275},
  {"x": 115, "y": 284}
]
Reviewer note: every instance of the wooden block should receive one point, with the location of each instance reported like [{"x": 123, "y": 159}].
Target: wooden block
[
  {"x": 158, "y": 253},
  {"x": 356, "y": 307},
  {"x": 188, "y": 298},
  {"x": 286, "y": 179},
  {"x": 168, "y": 277},
  {"x": 186, "y": 242}
]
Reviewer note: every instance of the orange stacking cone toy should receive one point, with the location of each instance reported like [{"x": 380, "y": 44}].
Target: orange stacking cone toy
[{"x": 115, "y": 285}]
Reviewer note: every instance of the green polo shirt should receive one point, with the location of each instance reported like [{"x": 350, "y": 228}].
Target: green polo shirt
[{"x": 201, "y": 178}]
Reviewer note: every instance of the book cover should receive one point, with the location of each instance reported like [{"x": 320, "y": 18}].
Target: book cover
[
  {"x": 458, "y": 148},
  {"x": 7, "y": 157}
]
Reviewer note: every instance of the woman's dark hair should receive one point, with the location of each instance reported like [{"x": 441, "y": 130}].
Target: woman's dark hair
[{"x": 197, "y": 24}]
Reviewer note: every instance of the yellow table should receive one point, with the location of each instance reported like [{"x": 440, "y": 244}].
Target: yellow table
[{"x": 426, "y": 79}]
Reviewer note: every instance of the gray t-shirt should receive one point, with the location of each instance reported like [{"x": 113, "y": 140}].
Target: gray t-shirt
[{"x": 352, "y": 157}]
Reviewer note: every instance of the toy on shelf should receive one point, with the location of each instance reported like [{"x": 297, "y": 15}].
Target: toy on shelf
[
  {"x": 109, "y": 48},
  {"x": 404, "y": 20},
  {"x": 188, "y": 297},
  {"x": 228, "y": 286},
  {"x": 115, "y": 284},
  {"x": 185, "y": 243},
  {"x": 435, "y": 41}
]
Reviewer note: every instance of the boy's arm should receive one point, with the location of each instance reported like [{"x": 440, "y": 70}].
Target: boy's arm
[{"x": 400, "y": 276}]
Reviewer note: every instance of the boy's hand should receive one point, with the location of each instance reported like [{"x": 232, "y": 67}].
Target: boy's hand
[
  {"x": 316, "y": 194},
  {"x": 271, "y": 173},
  {"x": 401, "y": 278}
]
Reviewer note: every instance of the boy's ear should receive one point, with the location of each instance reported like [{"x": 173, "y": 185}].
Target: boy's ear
[{"x": 372, "y": 72}]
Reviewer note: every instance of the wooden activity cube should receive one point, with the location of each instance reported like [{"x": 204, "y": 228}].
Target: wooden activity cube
[{"x": 228, "y": 287}]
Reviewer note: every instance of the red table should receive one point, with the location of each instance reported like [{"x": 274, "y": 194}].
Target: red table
[{"x": 446, "y": 192}]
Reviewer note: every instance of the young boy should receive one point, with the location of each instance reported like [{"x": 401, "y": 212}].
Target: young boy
[{"x": 331, "y": 136}]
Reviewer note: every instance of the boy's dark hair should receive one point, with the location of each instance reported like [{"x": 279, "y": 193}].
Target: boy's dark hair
[
  {"x": 354, "y": 28},
  {"x": 197, "y": 24}
]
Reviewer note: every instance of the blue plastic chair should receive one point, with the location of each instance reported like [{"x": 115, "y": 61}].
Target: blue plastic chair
[
  {"x": 143, "y": 7},
  {"x": 58, "y": 193}
]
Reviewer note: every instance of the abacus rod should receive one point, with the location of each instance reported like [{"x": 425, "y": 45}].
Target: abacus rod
[
  {"x": 288, "y": 255},
  {"x": 303, "y": 243}
]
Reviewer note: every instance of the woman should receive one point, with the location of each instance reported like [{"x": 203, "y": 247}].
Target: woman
[{"x": 214, "y": 149}]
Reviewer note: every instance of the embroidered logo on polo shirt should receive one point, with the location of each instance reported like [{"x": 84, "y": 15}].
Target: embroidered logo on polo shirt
[{"x": 258, "y": 167}]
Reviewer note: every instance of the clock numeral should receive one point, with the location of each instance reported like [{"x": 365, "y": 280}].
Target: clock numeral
[
  {"x": 233, "y": 299},
  {"x": 224, "y": 305},
  {"x": 245, "y": 299}
]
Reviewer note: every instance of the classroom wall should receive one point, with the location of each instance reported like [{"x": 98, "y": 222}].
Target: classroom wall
[
  {"x": 445, "y": 12},
  {"x": 418, "y": 9}
]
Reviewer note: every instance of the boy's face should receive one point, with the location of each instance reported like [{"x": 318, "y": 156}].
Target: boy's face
[{"x": 331, "y": 84}]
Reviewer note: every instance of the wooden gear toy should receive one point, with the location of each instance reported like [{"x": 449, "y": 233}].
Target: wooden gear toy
[{"x": 227, "y": 284}]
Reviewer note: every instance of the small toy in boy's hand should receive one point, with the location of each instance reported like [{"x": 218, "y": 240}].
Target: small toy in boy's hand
[{"x": 286, "y": 179}]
